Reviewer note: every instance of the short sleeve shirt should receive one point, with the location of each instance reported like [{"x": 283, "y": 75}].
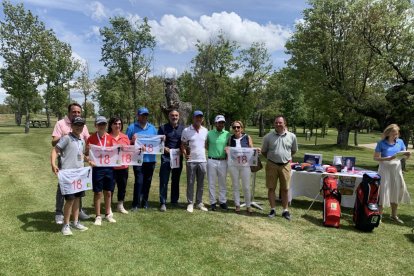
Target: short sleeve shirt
[
  {"x": 217, "y": 141},
  {"x": 148, "y": 130},
  {"x": 279, "y": 147},
  {"x": 121, "y": 140},
  {"x": 387, "y": 149},
  {"x": 64, "y": 126},
  {"x": 172, "y": 138},
  {"x": 71, "y": 149},
  {"x": 196, "y": 140},
  {"x": 104, "y": 141}
]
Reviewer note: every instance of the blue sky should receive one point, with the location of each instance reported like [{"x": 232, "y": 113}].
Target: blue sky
[{"x": 176, "y": 25}]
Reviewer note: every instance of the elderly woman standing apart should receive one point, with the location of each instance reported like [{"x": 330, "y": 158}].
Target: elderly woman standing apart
[
  {"x": 393, "y": 190},
  {"x": 240, "y": 140},
  {"x": 115, "y": 127}
]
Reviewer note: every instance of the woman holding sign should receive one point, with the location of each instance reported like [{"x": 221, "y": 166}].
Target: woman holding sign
[
  {"x": 115, "y": 127},
  {"x": 240, "y": 140},
  {"x": 389, "y": 152}
]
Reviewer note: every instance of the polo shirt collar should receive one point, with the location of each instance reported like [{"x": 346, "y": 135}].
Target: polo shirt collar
[{"x": 283, "y": 134}]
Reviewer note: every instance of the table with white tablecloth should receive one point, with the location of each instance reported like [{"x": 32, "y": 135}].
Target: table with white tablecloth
[{"x": 309, "y": 184}]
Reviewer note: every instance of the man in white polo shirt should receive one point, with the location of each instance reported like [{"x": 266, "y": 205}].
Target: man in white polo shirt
[{"x": 193, "y": 148}]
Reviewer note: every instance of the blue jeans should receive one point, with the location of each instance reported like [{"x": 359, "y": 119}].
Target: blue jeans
[
  {"x": 143, "y": 177},
  {"x": 165, "y": 171}
]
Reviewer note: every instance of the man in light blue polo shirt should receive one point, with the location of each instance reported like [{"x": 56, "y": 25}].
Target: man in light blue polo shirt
[{"x": 143, "y": 174}]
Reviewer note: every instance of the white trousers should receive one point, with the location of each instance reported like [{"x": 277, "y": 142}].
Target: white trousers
[
  {"x": 217, "y": 170},
  {"x": 244, "y": 173}
]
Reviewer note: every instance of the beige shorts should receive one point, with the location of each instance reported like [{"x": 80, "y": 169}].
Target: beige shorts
[{"x": 276, "y": 172}]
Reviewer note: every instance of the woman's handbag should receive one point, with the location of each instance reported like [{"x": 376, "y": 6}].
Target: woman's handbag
[{"x": 258, "y": 167}]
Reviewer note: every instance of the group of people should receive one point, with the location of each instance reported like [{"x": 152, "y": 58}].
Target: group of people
[{"x": 204, "y": 153}]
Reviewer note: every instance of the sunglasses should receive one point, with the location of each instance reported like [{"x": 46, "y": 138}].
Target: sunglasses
[{"x": 236, "y": 127}]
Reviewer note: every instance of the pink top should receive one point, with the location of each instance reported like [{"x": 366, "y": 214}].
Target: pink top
[
  {"x": 121, "y": 140},
  {"x": 63, "y": 127}
]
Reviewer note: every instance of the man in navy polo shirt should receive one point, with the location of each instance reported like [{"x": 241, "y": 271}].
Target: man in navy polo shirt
[
  {"x": 143, "y": 174},
  {"x": 172, "y": 132}
]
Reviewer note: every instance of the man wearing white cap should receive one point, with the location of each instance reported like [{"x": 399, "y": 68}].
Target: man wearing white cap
[{"x": 216, "y": 164}]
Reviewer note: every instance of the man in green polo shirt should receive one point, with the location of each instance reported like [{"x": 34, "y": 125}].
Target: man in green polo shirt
[
  {"x": 278, "y": 147},
  {"x": 217, "y": 163}
]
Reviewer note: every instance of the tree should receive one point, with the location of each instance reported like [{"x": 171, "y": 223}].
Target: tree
[
  {"x": 85, "y": 85},
  {"x": 327, "y": 53},
  {"x": 256, "y": 66},
  {"x": 127, "y": 51},
  {"x": 20, "y": 33},
  {"x": 58, "y": 68},
  {"x": 212, "y": 66}
]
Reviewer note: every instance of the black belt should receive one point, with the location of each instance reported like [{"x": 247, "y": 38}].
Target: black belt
[
  {"x": 216, "y": 158},
  {"x": 279, "y": 164}
]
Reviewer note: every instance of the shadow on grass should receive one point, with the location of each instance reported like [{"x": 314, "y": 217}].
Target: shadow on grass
[
  {"x": 42, "y": 221},
  {"x": 410, "y": 236}
]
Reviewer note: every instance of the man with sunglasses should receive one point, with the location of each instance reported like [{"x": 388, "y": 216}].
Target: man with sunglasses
[
  {"x": 217, "y": 164},
  {"x": 143, "y": 174}
]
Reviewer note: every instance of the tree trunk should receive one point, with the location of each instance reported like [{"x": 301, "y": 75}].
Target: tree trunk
[
  {"x": 356, "y": 137},
  {"x": 85, "y": 108},
  {"x": 316, "y": 136},
  {"x": 261, "y": 125},
  {"x": 27, "y": 124},
  {"x": 18, "y": 118},
  {"x": 343, "y": 136}
]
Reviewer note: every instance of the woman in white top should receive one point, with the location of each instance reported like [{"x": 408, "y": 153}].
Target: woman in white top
[{"x": 240, "y": 140}]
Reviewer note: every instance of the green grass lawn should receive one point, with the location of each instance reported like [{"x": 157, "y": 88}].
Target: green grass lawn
[{"x": 179, "y": 243}]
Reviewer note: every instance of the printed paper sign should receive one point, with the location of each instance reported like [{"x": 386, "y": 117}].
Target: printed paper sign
[
  {"x": 104, "y": 156},
  {"x": 175, "y": 158},
  {"x": 154, "y": 144},
  {"x": 72, "y": 181},
  {"x": 242, "y": 157},
  {"x": 129, "y": 155}
]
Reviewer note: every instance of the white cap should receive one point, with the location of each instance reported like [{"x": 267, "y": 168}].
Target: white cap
[{"x": 219, "y": 118}]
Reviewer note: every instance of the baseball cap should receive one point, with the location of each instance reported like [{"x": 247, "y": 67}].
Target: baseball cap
[
  {"x": 142, "y": 110},
  {"x": 219, "y": 118},
  {"x": 78, "y": 121},
  {"x": 198, "y": 113},
  {"x": 100, "y": 120}
]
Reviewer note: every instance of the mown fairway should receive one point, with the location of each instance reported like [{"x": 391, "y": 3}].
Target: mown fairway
[{"x": 179, "y": 243}]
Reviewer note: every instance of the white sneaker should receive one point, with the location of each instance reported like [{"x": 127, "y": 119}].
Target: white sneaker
[
  {"x": 83, "y": 215},
  {"x": 59, "y": 219},
  {"x": 110, "y": 218},
  {"x": 66, "y": 230},
  {"x": 98, "y": 221},
  {"x": 79, "y": 226},
  {"x": 202, "y": 207},
  {"x": 190, "y": 208},
  {"x": 163, "y": 208},
  {"x": 121, "y": 208}
]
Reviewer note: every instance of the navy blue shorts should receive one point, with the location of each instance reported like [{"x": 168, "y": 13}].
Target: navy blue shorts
[
  {"x": 73, "y": 196},
  {"x": 102, "y": 179}
]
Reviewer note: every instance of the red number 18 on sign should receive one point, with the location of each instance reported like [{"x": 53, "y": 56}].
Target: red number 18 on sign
[{"x": 77, "y": 184}]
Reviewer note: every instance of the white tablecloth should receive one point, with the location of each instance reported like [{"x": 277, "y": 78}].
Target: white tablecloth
[{"x": 309, "y": 184}]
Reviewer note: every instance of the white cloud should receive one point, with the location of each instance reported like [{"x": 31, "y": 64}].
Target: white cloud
[
  {"x": 3, "y": 95},
  {"x": 169, "y": 72},
  {"x": 97, "y": 11},
  {"x": 180, "y": 34}
]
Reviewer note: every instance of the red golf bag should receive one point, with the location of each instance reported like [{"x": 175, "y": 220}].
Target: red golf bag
[
  {"x": 331, "y": 202},
  {"x": 366, "y": 209}
]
